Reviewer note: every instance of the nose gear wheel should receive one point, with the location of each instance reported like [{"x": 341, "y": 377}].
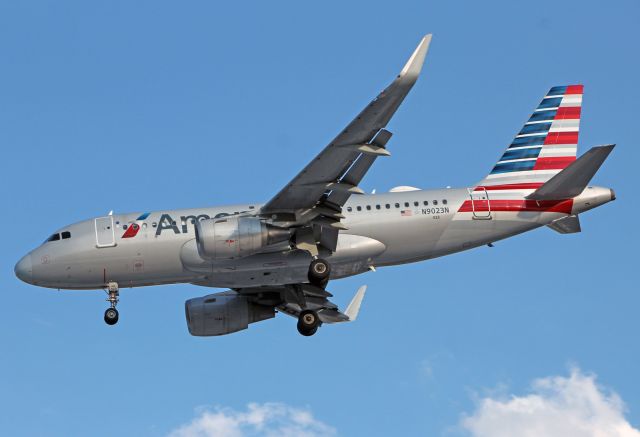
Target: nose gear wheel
[{"x": 111, "y": 315}]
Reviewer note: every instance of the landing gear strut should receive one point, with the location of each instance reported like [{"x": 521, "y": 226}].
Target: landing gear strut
[
  {"x": 111, "y": 314},
  {"x": 308, "y": 323},
  {"x": 319, "y": 271}
]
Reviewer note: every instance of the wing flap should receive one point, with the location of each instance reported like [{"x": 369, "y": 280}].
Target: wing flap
[{"x": 317, "y": 301}]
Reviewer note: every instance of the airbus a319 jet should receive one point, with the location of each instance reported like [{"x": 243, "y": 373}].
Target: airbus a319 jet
[{"x": 280, "y": 255}]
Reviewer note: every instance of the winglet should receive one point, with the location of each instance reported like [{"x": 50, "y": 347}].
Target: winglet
[
  {"x": 354, "y": 306},
  {"x": 414, "y": 65}
]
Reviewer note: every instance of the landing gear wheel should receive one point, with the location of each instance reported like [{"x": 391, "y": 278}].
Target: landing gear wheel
[
  {"x": 111, "y": 316},
  {"x": 319, "y": 271},
  {"x": 308, "y": 323}
]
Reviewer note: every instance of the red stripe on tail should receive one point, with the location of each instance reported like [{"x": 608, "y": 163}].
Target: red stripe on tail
[
  {"x": 553, "y": 162},
  {"x": 574, "y": 89},
  {"x": 562, "y": 138},
  {"x": 568, "y": 113}
]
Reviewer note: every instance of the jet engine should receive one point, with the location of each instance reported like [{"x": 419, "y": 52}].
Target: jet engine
[
  {"x": 223, "y": 313},
  {"x": 236, "y": 237}
]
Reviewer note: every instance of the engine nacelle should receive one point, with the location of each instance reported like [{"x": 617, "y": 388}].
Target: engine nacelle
[
  {"x": 223, "y": 313},
  {"x": 236, "y": 237}
]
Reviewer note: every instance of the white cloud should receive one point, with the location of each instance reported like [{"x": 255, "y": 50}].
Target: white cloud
[
  {"x": 269, "y": 419},
  {"x": 573, "y": 406}
]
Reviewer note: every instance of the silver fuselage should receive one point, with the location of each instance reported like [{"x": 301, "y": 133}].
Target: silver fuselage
[{"x": 163, "y": 248}]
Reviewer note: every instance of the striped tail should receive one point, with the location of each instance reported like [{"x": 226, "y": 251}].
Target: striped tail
[{"x": 546, "y": 144}]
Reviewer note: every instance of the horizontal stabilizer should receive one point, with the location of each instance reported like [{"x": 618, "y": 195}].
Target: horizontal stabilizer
[
  {"x": 566, "y": 225},
  {"x": 574, "y": 178}
]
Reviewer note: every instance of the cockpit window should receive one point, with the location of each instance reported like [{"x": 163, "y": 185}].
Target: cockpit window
[
  {"x": 65, "y": 234},
  {"x": 54, "y": 237}
]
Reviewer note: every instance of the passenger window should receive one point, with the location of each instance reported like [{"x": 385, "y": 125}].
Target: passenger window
[
  {"x": 154, "y": 224},
  {"x": 377, "y": 206},
  {"x": 397, "y": 205},
  {"x": 435, "y": 202},
  {"x": 54, "y": 237},
  {"x": 65, "y": 235},
  {"x": 368, "y": 207},
  {"x": 125, "y": 227},
  {"x": 406, "y": 204},
  {"x": 416, "y": 203},
  {"x": 444, "y": 201},
  {"x": 359, "y": 208},
  {"x": 349, "y": 209},
  {"x": 425, "y": 203},
  {"x": 387, "y": 206}
]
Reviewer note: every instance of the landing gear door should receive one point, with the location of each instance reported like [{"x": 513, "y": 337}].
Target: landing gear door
[
  {"x": 105, "y": 234},
  {"x": 480, "y": 203}
]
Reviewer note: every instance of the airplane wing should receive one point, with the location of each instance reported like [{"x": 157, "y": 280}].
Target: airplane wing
[
  {"x": 292, "y": 299},
  {"x": 319, "y": 191}
]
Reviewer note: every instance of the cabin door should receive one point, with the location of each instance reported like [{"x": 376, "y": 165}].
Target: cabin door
[
  {"x": 105, "y": 234},
  {"x": 480, "y": 203}
]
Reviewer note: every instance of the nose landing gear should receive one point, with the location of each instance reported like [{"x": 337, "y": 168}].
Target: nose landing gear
[{"x": 111, "y": 315}]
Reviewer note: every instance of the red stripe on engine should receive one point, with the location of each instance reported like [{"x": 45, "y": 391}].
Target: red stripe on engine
[
  {"x": 574, "y": 89},
  {"x": 568, "y": 113},
  {"x": 553, "y": 162},
  {"x": 563, "y": 206},
  {"x": 561, "y": 138}
]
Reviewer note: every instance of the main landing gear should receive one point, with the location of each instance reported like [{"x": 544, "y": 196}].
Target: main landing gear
[
  {"x": 319, "y": 271},
  {"x": 111, "y": 314},
  {"x": 308, "y": 323},
  {"x": 318, "y": 275}
]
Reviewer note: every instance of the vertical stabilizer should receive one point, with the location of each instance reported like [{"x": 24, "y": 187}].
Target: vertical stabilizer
[{"x": 545, "y": 145}]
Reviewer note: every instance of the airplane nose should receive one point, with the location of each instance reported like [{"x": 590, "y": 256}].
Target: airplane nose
[{"x": 23, "y": 269}]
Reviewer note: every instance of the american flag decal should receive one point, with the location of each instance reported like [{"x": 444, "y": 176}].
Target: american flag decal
[{"x": 406, "y": 213}]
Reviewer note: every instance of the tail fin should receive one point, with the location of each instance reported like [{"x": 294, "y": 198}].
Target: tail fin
[{"x": 546, "y": 144}]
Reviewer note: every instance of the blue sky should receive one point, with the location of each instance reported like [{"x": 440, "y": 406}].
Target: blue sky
[{"x": 160, "y": 105}]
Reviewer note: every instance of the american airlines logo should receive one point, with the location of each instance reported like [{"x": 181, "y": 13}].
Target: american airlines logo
[{"x": 167, "y": 223}]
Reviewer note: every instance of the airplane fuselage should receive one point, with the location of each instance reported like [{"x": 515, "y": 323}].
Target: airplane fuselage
[{"x": 142, "y": 249}]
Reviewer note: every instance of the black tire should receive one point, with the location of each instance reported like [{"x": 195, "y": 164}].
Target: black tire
[
  {"x": 308, "y": 323},
  {"x": 319, "y": 271},
  {"x": 111, "y": 316},
  {"x": 307, "y": 332}
]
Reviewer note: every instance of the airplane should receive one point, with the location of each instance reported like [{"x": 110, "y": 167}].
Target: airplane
[{"x": 280, "y": 255}]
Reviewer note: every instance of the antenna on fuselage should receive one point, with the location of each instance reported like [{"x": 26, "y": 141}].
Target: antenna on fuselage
[{"x": 110, "y": 212}]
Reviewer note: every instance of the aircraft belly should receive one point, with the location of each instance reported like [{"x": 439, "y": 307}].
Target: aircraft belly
[{"x": 354, "y": 254}]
